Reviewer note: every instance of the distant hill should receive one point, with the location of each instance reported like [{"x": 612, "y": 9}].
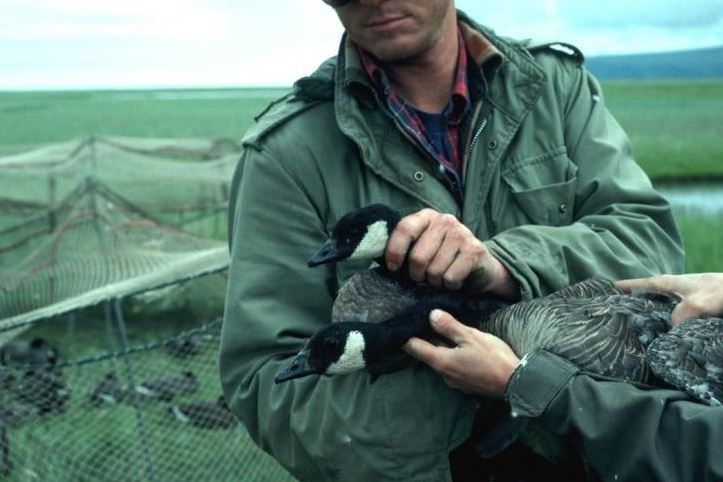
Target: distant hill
[{"x": 689, "y": 64}]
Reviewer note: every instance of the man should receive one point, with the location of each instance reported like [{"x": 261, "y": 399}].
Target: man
[
  {"x": 624, "y": 432},
  {"x": 518, "y": 181}
]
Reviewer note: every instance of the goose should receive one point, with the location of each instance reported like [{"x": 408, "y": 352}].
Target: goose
[
  {"x": 108, "y": 391},
  {"x": 43, "y": 389},
  {"x": 14, "y": 414},
  {"x": 32, "y": 354},
  {"x": 186, "y": 346},
  {"x": 167, "y": 388},
  {"x": 591, "y": 323},
  {"x": 205, "y": 414}
]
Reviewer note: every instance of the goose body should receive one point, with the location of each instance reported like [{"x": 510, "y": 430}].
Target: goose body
[
  {"x": 590, "y": 323},
  {"x": 167, "y": 388},
  {"x": 107, "y": 391},
  {"x": 44, "y": 389},
  {"x": 205, "y": 414},
  {"x": 186, "y": 346},
  {"x": 690, "y": 357},
  {"x": 35, "y": 353}
]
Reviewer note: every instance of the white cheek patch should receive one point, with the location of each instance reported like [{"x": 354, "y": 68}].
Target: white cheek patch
[
  {"x": 373, "y": 243},
  {"x": 352, "y": 358}
]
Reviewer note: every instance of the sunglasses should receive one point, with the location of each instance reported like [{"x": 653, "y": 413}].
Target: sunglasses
[{"x": 337, "y": 3}]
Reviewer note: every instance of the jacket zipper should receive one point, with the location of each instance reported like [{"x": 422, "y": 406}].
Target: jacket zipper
[{"x": 475, "y": 138}]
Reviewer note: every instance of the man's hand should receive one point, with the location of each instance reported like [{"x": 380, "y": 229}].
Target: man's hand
[
  {"x": 480, "y": 364},
  {"x": 701, "y": 293},
  {"x": 445, "y": 253}
]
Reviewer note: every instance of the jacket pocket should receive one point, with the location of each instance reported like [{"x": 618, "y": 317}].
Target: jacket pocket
[{"x": 543, "y": 187}]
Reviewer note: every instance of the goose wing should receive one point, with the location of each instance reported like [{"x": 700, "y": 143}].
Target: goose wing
[
  {"x": 589, "y": 288},
  {"x": 370, "y": 297},
  {"x": 690, "y": 357},
  {"x": 606, "y": 335}
]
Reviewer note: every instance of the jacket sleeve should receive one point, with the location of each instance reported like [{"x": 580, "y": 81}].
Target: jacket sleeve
[
  {"x": 341, "y": 428},
  {"x": 622, "y": 431},
  {"x": 621, "y": 227}
]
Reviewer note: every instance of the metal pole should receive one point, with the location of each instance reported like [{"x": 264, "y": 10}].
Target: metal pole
[{"x": 152, "y": 475}]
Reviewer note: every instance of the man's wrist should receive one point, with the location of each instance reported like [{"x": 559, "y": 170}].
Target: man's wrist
[{"x": 502, "y": 284}]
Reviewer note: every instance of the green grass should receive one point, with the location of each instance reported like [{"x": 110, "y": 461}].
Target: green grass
[
  {"x": 41, "y": 117},
  {"x": 702, "y": 241},
  {"x": 675, "y": 127}
]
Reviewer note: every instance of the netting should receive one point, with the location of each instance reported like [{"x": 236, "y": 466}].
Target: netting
[
  {"x": 70, "y": 237},
  {"x": 151, "y": 412},
  {"x": 100, "y": 247},
  {"x": 91, "y": 232},
  {"x": 178, "y": 182}
]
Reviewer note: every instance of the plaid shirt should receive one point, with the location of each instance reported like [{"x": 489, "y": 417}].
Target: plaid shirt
[{"x": 409, "y": 118}]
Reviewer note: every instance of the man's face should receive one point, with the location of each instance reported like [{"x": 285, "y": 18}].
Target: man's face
[{"x": 396, "y": 30}]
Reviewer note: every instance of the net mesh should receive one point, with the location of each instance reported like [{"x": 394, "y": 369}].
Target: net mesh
[
  {"x": 152, "y": 412},
  {"x": 100, "y": 247},
  {"x": 93, "y": 232},
  {"x": 176, "y": 181},
  {"x": 70, "y": 237}
]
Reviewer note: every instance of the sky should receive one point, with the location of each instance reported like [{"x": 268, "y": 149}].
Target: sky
[{"x": 76, "y": 44}]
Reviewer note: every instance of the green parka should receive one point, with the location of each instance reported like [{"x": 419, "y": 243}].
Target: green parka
[{"x": 550, "y": 187}]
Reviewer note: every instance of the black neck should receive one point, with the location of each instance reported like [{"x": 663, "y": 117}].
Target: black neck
[
  {"x": 389, "y": 336},
  {"x": 401, "y": 275}
]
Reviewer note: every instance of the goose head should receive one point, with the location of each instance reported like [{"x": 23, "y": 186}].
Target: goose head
[
  {"x": 361, "y": 234},
  {"x": 336, "y": 349},
  {"x": 340, "y": 348}
]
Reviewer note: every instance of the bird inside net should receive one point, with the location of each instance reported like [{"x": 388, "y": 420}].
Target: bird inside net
[{"x": 152, "y": 411}]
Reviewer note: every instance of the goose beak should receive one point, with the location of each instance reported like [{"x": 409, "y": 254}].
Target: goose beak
[
  {"x": 299, "y": 367},
  {"x": 326, "y": 254}
]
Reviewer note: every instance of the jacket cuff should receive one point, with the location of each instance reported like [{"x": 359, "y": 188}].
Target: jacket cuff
[{"x": 536, "y": 382}]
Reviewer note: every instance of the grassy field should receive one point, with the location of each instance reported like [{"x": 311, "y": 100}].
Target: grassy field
[
  {"x": 30, "y": 118},
  {"x": 675, "y": 127},
  {"x": 702, "y": 241}
]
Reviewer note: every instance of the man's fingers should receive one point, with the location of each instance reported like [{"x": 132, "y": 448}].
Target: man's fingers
[
  {"x": 659, "y": 284},
  {"x": 438, "y": 268},
  {"x": 694, "y": 306},
  {"x": 425, "y": 253},
  {"x": 404, "y": 235},
  {"x": 681, "y": 313},
  {"x": 422, "y": 350},
  {"x": 472, "y": 260},
  {"x": 448, "y": 326}
]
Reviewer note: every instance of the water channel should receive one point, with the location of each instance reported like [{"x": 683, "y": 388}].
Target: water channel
[{"x": 706, "y": 199}]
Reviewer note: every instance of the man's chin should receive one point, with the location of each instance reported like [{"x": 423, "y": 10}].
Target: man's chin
[{"x": 394, "y": 50}]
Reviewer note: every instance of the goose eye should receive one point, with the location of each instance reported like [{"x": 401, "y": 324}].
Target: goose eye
[{"x": 352, "y": 237}]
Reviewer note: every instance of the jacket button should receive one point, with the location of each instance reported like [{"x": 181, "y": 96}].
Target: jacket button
[
  {"x": 492, "y": 145},
  {"x": 563, "y": 208},
  {"x": 419, "y": 176}
]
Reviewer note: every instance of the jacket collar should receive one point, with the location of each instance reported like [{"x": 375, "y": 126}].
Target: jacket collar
[
  {"x": 495, "y": 55},
  {"x": 355, "y": 79}
]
